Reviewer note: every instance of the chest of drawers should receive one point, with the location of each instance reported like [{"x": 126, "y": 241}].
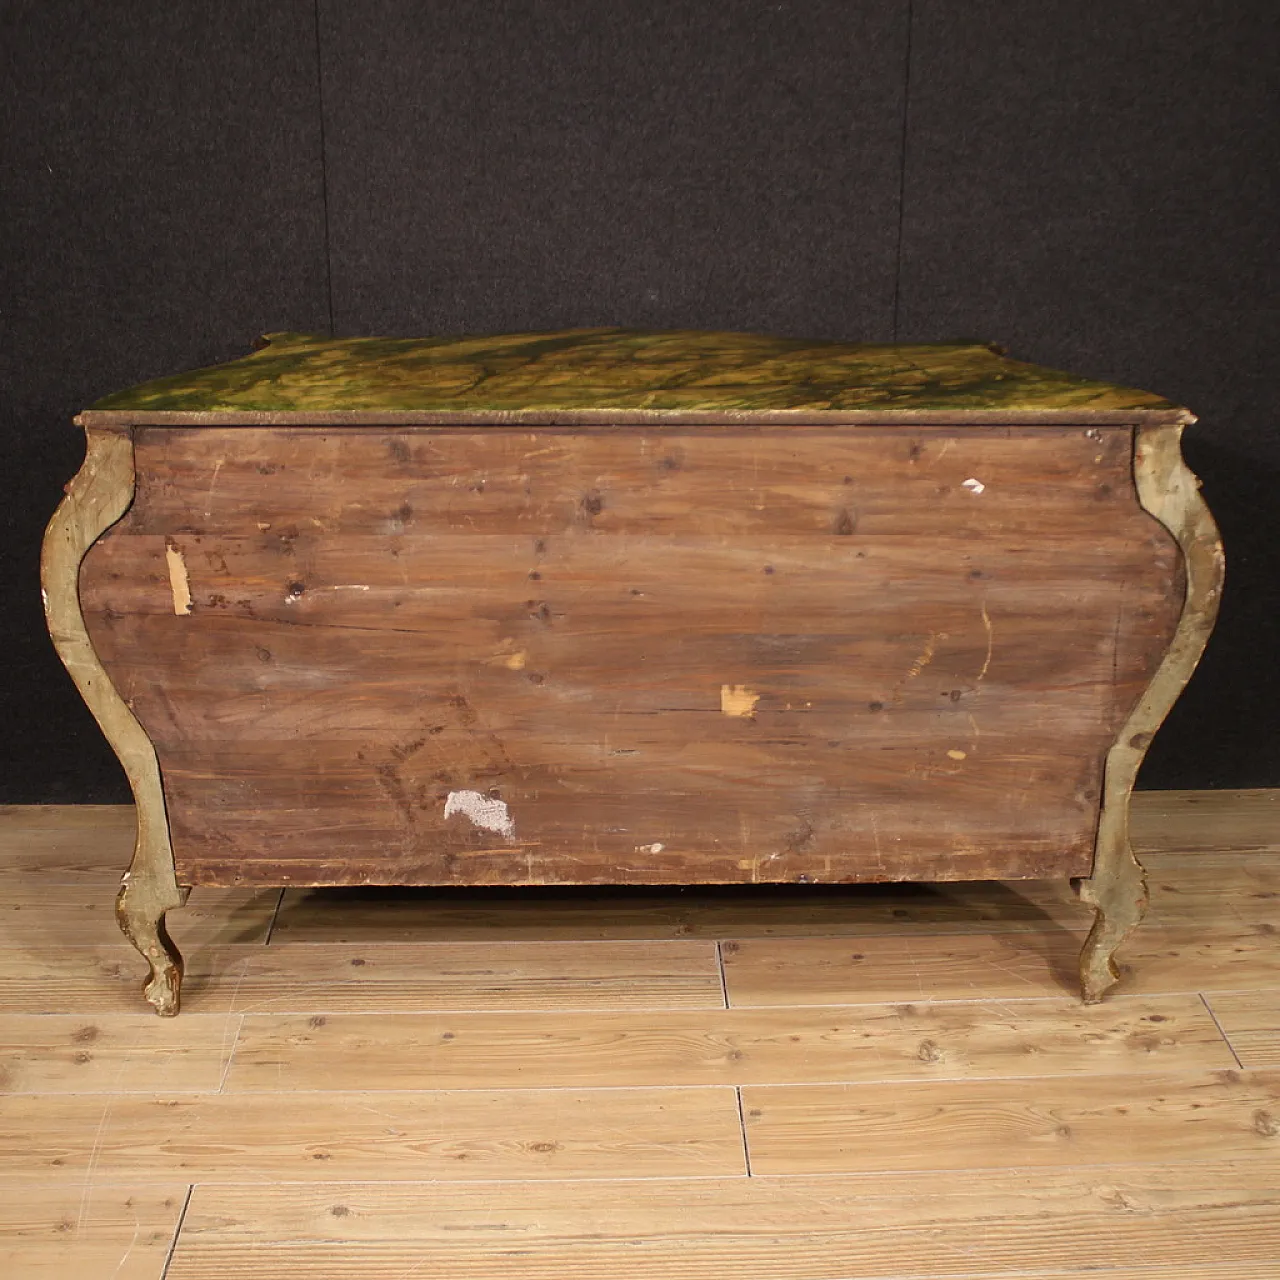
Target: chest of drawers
[{"x": 608, "y": 606}]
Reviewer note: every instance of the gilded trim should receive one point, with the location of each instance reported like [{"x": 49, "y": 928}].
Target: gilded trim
[
  {"x": 1169, "y": 491},
  {"x": 96, "y": 498}
]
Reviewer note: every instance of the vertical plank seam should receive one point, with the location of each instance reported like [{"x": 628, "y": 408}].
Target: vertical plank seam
[
  {"x": 177, "y": 1231},
  {"x": 275, "y": 915},
  {"x": 724, "y": 982},
  {"x": 742, "y": 1128},
  {"x": 902, "y": 169},
  {"x": 1209, "y": 1010},
  {"x": 324, "y": 169}
]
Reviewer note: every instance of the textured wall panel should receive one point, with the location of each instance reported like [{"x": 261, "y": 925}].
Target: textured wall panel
[{"x": 541, "y": 165}]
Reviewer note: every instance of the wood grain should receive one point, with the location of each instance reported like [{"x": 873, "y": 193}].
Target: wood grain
[
  {"x": 1251, "y": 1022},
  {"x": 33, "y": 913},
  {"x": 356, "y": 978},
  {"x": 1211, "y": 1221},
  {"x": 735, "y": 1046},
  {"x": 1121, "y": 1157},
  {"x": 1159, "y": 959},
  {"x": 65, "y": 844},
  {"x": 56, "y": 1231},
  {"x": 1207, "y": 826},
  {"x": 1011, "y": 1123},
  {"x": 124, "y": 1053},
  {"x": 381, "y": 621},
  {"x": 425, "y": 1134}
]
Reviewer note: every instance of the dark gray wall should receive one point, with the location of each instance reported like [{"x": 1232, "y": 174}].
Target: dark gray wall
[{"x": 1089, "y": 183}]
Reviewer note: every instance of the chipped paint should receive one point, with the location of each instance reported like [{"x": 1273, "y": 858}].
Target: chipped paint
[
  {"x": 179, "y": 582},
  {"x": 956, "y": 754},
  {"x": 973, "y": 485},
  {"x": 738, "y": 700},
  {"x": 486, "y": 812},
  {"x": 515, "y": 661},
  {"x": 656, "y": 847}
]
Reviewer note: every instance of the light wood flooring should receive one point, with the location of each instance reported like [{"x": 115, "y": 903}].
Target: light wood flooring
[{"x": 794, "y": 1084}]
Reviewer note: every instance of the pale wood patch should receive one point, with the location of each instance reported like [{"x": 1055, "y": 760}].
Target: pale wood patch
[
  {"x": 1205, "y": 825},
  {"x": 1005, "y": 1124},
  {"x": 425, "y": 1134},
  {"x": 1196, "y": 1222},
  {"x": 62, "y": 1231},
  {"x": 32, "y": 913},
  {"x": 1158, "y": 959},
  {"x": 734, "y": 1046},
  {"x": 1251, "y": 1022},
  {"x": 119, "y": 1053},
  {"x": 352, "y": 977}
]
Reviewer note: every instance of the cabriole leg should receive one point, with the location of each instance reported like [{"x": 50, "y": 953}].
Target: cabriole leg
[
  {"x": 141, "y": 911},
  {"x": 98, "y": 496},
  {"x": 1117, "y": 888},
  {"x": 1118, "y": 893}
]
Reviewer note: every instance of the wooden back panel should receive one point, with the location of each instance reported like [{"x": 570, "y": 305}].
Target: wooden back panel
[{"x": 458, "y": 656}]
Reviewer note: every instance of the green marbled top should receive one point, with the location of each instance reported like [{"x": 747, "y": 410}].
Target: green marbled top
[{"x": 577, "y": 369}]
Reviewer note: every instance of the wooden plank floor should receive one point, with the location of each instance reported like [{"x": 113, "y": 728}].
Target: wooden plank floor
[{"x": 890, "y": 1083}]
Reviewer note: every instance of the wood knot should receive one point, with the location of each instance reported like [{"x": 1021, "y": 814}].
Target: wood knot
[{"x": 929, "y": 1051}]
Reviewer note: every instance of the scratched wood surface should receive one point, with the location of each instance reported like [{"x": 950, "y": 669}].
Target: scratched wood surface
[
  {"x": 442, "y": 657},
  {"x": 559, "y": 1083}
]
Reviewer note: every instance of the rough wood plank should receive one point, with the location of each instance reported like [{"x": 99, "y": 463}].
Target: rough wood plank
[
  {"x": 425, "y": 1134},
  {"x": 118, "y": 1053},
  {"x": 1206, "y": 825},
  {"x": 33, "y": 913},
  {"x": 98, "y": 1231},
  {"x": 1213, "y": 1221},
  {"x": 65, "y": 843},
  {"x": 1159, "y": 959},
  {"x": 1006, "y": 1124},
  {"x": 1251, "y": 1022},
  {"x": 69, "y": 843},
  {"x": 862, "y": 1042},
  {"x": 340, "y": 977},
  {"x": 496, "y": 611}
]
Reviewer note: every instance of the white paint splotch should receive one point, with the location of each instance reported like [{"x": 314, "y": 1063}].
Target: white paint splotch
[
  {"x": 974, "y": 485},
  {"x": 484, "y": 811}
]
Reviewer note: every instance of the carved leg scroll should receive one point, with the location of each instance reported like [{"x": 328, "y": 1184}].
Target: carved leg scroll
[
  {"x": 98, "y": 496},
  {"x": 1118, "y": 888}
]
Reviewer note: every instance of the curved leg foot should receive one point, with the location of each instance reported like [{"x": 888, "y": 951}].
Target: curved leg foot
[
  {"x": 1120, "y": 901},
  {"x": 141, "y": 916},
  {"x": 1118, "y": 886}
]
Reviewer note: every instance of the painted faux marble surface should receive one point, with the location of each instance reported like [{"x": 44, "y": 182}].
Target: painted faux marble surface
[{"x": 583, "y": 369}]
